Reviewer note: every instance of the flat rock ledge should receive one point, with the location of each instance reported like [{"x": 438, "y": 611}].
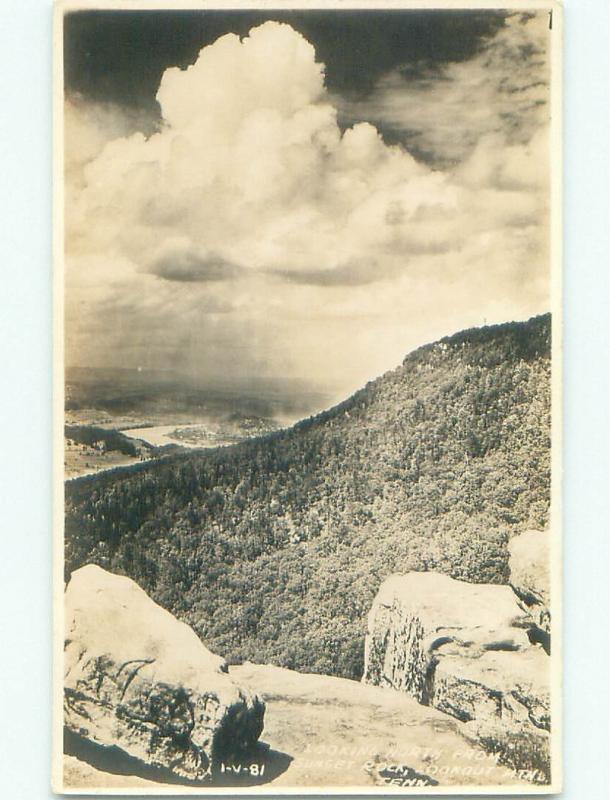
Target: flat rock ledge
[
  {"x": 465, "y": 649},
  {"x": 138, "y": 679}
]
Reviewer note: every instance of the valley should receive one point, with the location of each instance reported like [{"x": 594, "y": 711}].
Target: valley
[
  {"x": 273, "y": 549},
  {"x": 148, "y": 415}
]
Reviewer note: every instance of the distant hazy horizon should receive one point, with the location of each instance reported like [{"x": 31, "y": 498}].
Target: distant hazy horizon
[{"x": 364, "y": 183}]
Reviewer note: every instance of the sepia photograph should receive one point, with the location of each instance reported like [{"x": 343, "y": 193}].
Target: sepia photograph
[{"x": 307, "y": 371}]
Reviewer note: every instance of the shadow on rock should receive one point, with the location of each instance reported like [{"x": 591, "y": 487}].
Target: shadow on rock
[
  {"x": 261, "y": 766},
  {"x": 116, "y": 762}
]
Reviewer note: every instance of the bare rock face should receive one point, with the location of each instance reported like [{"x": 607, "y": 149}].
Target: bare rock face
[
  {"x": 420, "y": 617},
  {"x": 465, "y": 649},
  {"x": 529, "y": 562},
  {"x": 137, "y": 678}
]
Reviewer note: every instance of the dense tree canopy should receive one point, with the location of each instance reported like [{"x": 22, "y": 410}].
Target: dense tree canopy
[
  {"x": 110, "y": 439},
  {"x": 273, "y": 549}
]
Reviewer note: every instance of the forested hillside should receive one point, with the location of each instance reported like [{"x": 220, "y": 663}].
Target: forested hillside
[
  {"x": 274, "y": 549},
  {"x": 94, "y": 436}
]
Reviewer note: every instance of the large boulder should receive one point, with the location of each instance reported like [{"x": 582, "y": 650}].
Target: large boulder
[
  {"x": 529, "y": 563},
  {"x": 508, "y": 685},
  {"x": 138, "y": 679},
  {"x": 418, "y": 617},
  {"x": 326, "y": 732},
  {"x": 465, "y": 649}
]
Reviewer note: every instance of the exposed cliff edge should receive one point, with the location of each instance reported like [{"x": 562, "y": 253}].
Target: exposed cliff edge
[
  {"x": 147, "y": 704},
  {"x": 433, "y": 466},
  {"x": 322, "y": 731},
  {"x": 138, "y": 679},
  {"x": 465, "y": 649},
  {"x": 529, "y": 564}
]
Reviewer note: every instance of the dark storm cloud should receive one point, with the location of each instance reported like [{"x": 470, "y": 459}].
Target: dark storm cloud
[
  {"x": 120, "y": 56},
  {"x": 440, "y": 111},
  {"x": 414, "y": 250},
  {"x": 192, "y": 268}
]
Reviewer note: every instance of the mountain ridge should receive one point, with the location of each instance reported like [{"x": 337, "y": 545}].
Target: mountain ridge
[{"x": 273, "y": 549}]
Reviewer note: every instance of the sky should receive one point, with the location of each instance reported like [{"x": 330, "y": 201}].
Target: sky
[{"x": 301, "y": 195}]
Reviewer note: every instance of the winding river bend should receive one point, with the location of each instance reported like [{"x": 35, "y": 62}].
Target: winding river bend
[{"x": 192, "y": 435}]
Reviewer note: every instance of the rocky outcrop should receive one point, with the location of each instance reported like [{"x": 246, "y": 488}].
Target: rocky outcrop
[
  {"x": 529, "y": 563},
  {"x": 138, "y": 679},
  {"x": 467, "y": 650},
  {"x": 322, "y": 732}
]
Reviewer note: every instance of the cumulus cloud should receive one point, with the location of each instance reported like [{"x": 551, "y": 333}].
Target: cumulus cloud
[
  {"x": 89, "y": 126},
  {"x": 442, "y": 111},
  {"x": 250, "y": 230}
]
